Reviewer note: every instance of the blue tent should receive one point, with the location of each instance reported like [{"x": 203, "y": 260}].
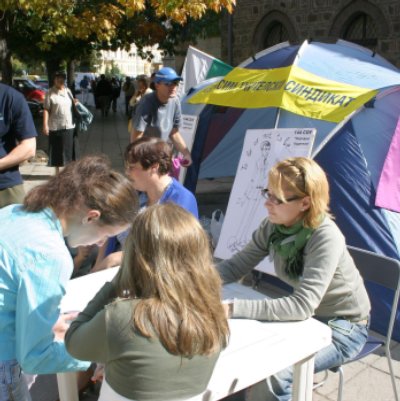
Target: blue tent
[{"x": 352, "y": 152}]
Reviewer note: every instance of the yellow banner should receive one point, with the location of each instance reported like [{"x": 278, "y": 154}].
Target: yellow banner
[{"x": 290, "y": 88}]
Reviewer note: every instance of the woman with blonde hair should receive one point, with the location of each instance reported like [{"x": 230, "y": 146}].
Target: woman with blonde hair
[
  {"x": 309, "y": 253},
  {"x": 159, "y": 327}
]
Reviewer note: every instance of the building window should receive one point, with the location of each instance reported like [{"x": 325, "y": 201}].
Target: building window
[
  {"x": 361, "y": 30},
  {"x": 276, "y": 33}
]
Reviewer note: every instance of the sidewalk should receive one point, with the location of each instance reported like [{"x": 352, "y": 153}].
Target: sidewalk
[{"x": 366, "y": 380}]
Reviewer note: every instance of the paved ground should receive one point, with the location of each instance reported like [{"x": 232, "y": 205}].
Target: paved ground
[{"x": 366, "y": 380}]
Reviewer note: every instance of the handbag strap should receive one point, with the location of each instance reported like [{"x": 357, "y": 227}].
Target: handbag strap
[{"x": 71, "y": 97}]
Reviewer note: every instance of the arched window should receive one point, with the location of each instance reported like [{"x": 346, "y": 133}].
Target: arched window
[
  {"x": 274, "y": 34},
  {"x": 361, "y": 29}
]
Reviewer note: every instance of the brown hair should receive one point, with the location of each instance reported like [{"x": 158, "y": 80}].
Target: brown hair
[
  {"x": 149, "y": 151},
  {"x": 304, "y": 177},
  {"x": 167, "y": 263},
  {"x": 89, "y": 182},
  {"x": 144, "y": 80}
]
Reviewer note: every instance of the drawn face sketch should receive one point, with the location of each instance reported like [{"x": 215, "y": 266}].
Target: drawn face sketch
[
  {"x": 287, "y": 142},
  {"x": 265, "y": 148}
]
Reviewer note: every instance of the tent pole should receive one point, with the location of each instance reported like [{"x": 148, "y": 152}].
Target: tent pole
[{"x": 278, "y": 114}]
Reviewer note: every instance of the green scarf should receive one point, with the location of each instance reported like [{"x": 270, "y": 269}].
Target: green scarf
[{"x": 289, "y": 242}]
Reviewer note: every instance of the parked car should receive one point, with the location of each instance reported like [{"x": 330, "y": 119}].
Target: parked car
[
  {"x": 43, "y": 83},
  {"x": 36, "y": 108},
  {"x": 30, "y": 90}
]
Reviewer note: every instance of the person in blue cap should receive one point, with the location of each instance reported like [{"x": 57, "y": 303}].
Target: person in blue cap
[{"x": 159, "y": 113}]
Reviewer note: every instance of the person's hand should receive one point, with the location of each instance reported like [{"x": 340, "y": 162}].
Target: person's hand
[
  {"x": 187, "y": 159},
  {"x": 228, "y": 307},
  {"x": 111, "y": 260},
  {"x": 98, "y": 374},
  {"x": 62, "y": 325},
  {"x": 46, "y": 130}
]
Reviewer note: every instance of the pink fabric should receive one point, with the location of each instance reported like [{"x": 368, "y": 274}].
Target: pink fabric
[
  {"x": 388, "y": 192},
  {"x": 176, "y": 166}
]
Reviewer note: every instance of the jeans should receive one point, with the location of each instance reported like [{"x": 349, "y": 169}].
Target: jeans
[
  {"x": 348, "y": 340},
  {"x": 13, "y": 385}
]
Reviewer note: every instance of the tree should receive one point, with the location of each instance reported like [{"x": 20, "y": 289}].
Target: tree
[{"x": 85, "y": 25}]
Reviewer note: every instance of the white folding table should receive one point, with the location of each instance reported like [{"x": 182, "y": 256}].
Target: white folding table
[{"x": 256, "y": 349}]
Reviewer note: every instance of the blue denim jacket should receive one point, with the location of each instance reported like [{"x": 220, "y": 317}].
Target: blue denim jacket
[{"x": 35, "y": 266}]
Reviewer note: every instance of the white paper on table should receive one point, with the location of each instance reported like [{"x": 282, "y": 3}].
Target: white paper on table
[{"x": 80, "y": 291}]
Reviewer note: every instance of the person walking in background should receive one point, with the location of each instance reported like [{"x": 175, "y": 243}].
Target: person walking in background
[
  {"x": 159, "y": 327},
  {"x": 58, "y": 122},
  {"x": 309, "y": 253},
  {"x": 104, "y": 92},
  {"x": 116, "y": 91},
  {"x": 17, "y": 143},
  {"x": 129, "y": 89},
  {"x": 93, "y": 84},
  {"x": 142, "y": 89},
  {"x": 159, "y": 113},
  {"x": 85, "y": 203},
  {"x": 84, "y": 85}
]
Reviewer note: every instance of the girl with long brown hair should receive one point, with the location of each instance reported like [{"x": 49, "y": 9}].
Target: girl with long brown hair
[
  {"x": 159, "y": 326},
  {"x": 86, "y": 203}
]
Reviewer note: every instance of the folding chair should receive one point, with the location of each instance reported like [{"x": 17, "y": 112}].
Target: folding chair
[{"x": 385, "y": 272}]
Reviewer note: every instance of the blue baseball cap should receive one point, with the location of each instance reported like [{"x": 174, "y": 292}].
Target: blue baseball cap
[{"x": 167, "y": 74}]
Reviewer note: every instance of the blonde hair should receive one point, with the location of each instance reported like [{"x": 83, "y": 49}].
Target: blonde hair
[
  {"x": 167, "y": 264},
  {"x": 304, "y": 177}
]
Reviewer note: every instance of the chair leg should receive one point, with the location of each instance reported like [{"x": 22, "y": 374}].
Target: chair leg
[
  {"x": 341, "y": 382},
  {"x": 391, "y": 370},
  {"x": 322, "y": 381}
]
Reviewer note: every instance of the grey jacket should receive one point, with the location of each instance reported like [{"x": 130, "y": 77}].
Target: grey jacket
[{"x": 330, "y": 286}]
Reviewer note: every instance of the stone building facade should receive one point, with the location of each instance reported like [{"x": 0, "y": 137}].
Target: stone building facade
[{"x": 259, "y": 24}]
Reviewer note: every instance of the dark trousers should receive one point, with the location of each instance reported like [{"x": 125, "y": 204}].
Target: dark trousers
[
  {"x": 127, "y": 99},
  {"x": 61, "y": 147}
]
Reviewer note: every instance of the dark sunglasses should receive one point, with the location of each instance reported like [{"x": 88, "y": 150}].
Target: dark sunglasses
[
  {"x": 274, "y": 200},
  {"x": 170, "y": 83}
]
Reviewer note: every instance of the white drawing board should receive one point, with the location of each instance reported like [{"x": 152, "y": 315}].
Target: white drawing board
[
  {"x": 262, "y": 149},
  {"x": 188, "y": 132}
]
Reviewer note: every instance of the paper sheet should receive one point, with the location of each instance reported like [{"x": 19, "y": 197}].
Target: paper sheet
[{"x": 81, "y": 290}]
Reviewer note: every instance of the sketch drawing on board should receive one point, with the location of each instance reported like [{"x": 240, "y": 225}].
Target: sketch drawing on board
[
  {"x": 261, "y": 150},
  {"x": 250, "y": 200}
]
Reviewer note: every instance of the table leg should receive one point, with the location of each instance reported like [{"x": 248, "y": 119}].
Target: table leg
[
  {"x": 303, "y": 379},
  {"x": 67, "y": 386}
]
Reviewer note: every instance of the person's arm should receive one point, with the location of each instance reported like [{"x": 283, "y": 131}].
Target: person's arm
[
  {"x": 176, "y": 137},
  {"x": 111, "y": 260},
  {"x": 45, "y": 122},
  {"x": 139, "y": 120},
  {"x": 23, "y": 151},
  {"x": 321, "y": 258},
  {"x": 135, "y": 134},
  {"x": 86, "y": 338},
  {"x": 39, "y": 295},
  {"x": 243, "y": 262},
  {"x": 180, "y": 145}
]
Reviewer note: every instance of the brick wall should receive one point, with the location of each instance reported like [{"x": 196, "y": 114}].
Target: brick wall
[{"x": 322, "y": 20}]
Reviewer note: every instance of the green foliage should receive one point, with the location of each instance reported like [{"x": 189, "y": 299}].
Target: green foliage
[{"x": 55, "y": 30}]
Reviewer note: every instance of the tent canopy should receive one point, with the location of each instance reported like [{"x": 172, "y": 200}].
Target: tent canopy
[{"x": 352, "y": 152}]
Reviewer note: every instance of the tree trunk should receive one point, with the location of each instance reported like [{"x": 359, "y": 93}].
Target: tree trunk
[
  {"x": 71, "y": 75},
  {"x": 5, "y": 53},
  {"x": 52, "y": 66}
]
